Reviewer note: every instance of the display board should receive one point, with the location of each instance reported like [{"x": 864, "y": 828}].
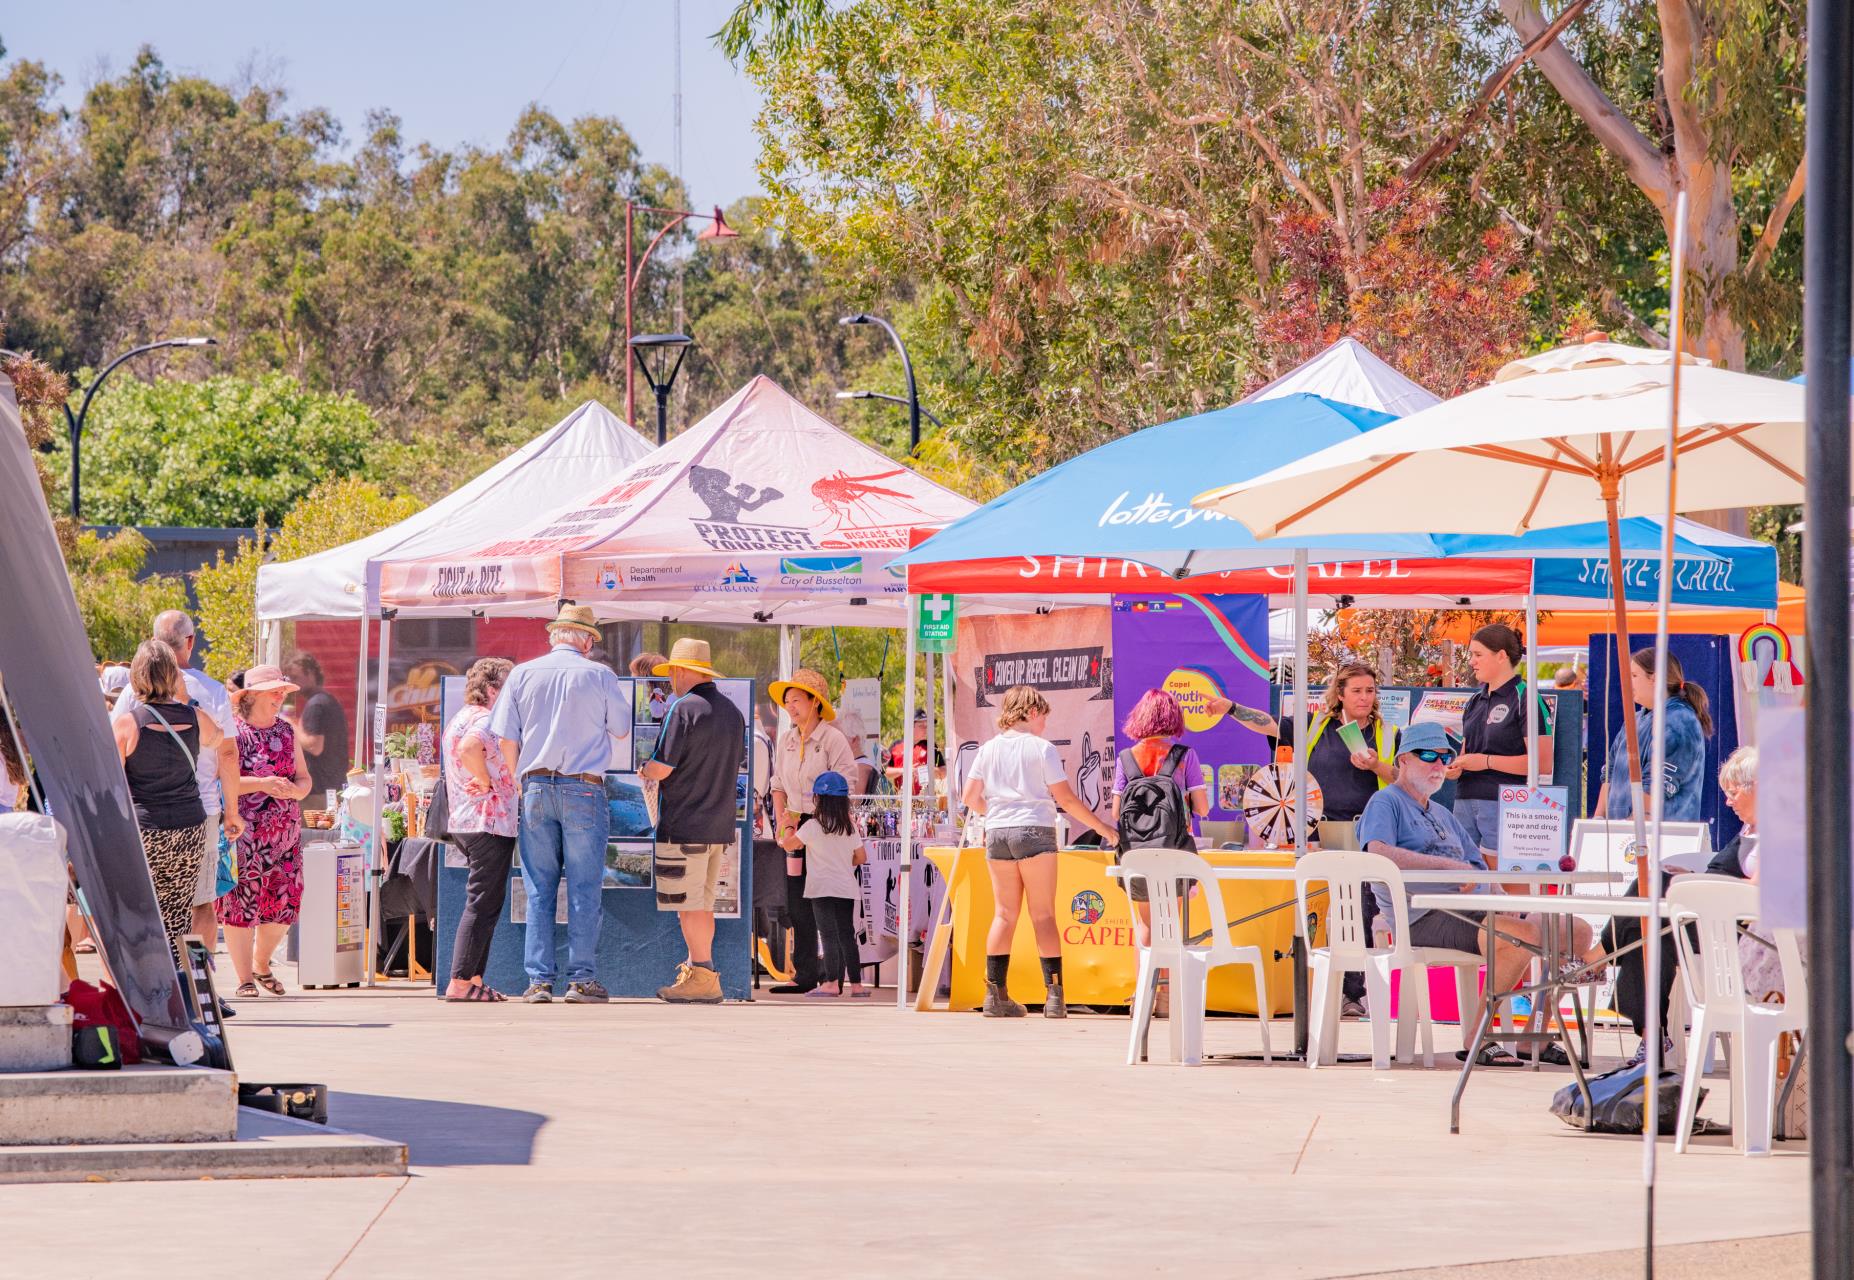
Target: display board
[{"x": 639, "y": 945}]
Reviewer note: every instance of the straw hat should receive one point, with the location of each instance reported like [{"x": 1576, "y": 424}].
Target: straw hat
[
  {"x": 690, "y": 655},
  {"x": 812, "y": 683},
  {"x": 264, "y": 678},
  {"x": 578, "y": 617}
]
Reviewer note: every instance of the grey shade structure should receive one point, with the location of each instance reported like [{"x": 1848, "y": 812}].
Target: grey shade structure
[{"x": 52, "y": 687}]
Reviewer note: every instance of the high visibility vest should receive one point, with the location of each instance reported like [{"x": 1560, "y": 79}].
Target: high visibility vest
[{"x": 1384, "y": 740}]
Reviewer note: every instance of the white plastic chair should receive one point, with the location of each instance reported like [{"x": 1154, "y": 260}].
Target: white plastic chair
[
  {"x": 1165, "y": 872},
  {"x": 1349, "y": 949},
  {"x": 1714, "y": 980}
]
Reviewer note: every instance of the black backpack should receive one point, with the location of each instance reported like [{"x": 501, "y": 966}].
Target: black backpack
[{"x": 1154, "y": 813}]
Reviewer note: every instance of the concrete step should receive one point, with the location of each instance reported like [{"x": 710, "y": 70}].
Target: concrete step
[
  {"x": 268, "y": 1146},
  {"x": 35, "y": 1037},
  {"x": 152, "y": 1104}
]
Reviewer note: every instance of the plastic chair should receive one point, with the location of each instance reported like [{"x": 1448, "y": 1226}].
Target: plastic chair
[
  {"x": 1166, "y": 872},
  {"x": 1348, "y": 949},
  {"x": 1712, "y": 907}
]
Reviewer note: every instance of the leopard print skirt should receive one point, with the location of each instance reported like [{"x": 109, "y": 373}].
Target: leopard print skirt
[{"x": 174, "y": 859}]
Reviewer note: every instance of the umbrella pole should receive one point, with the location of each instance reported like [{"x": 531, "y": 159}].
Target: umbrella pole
[
  {"x": 1532, "y": 691},
  {"x": 1300, "y": 702},
  {"x": 906, "y": 936},
  {"x": 1611, "y": 481}
]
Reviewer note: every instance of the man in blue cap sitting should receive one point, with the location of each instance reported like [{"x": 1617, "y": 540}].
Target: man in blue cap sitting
[{"x": 1401, "y": 823}]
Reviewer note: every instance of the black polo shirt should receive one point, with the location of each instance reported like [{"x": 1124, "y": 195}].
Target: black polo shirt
[
  {"x": 1345, "y": 789},
  {"x": 1494, "y": 722},
  {"x": 704, "y": 740}
]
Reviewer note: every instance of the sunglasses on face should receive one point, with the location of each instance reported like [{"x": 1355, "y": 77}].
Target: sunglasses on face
[{"x": 1428, "y": 756}]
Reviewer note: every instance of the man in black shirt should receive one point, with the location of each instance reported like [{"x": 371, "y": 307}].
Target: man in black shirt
[
  {"x": 321, "y": 728},
  {"x": 697, "y": 764}
]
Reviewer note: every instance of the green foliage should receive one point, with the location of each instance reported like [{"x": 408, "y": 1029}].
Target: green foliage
[
  {"x": 333, "y": 513},
  {"x": 118, "y": 611},
  {"x": 1772, "y": 524},
  {"x": 225, "y": 451}
]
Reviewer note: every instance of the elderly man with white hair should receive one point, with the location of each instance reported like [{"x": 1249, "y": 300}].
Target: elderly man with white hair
[{"x": 558, "y": 718}]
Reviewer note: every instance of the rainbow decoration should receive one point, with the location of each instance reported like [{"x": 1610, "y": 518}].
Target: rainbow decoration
[
  {"x": 1231, "y": 637},
  {"x": 1777, "y": 645}
]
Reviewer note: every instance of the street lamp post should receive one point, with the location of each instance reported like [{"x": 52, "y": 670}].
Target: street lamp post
[
  {"x": 75, "y": 421},
  {"x": 664, "y": 342},
  {"x": 717, "y": 229},
  {"x": 907, "y": 368},
  {"x": 900, "y": 400}
]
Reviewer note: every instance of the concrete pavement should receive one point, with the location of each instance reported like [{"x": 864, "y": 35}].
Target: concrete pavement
[{"x": 796, "y": 1136}]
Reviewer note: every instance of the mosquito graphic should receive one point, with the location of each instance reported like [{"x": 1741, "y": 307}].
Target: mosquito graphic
[{"x": 846, "y": 496}]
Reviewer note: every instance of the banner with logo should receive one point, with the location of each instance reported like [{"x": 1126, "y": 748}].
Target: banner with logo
[
  {"x": 762, "y": 499},
  {"x": 1198, "y": 648},
  {"x": 1364, "y": 580},
  {"x": 1067, "y": 656}
]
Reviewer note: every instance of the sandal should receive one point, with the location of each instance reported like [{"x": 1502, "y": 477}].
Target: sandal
[
  {"x": 1491, "y": 1055},
  {"x": 84, "y": 948},
  {"x": 247, "y": 991},
  {"x": 475, "y": 994},
  {"x": 269, "y": 983},
  {"x": 1554, "y": 1055}
]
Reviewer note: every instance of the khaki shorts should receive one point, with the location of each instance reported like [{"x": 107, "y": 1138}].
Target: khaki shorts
[{"x": 687, "y": 876}]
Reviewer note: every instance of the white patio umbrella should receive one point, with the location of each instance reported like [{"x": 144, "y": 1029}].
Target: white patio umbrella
[{"x": 1556, "y": 439}]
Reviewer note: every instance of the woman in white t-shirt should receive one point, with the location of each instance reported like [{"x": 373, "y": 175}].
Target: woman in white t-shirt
[{"x": 1016, "y": 781}]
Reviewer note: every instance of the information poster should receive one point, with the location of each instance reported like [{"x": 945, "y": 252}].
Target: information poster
[
  {"x": 1534, "y": 825},
  {"x": 878, "y": 907},
  {"x": 1444, "y": 707},
  {"x": 861, "y": 713},
  {"x": 1198, "y": 648}
]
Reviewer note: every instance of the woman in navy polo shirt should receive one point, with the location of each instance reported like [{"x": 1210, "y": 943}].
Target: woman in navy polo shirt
[{"x": 1493, "y": 725}]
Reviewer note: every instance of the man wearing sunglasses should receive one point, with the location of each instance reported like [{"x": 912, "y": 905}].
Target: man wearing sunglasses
[{"x": 1401, "y": 823}]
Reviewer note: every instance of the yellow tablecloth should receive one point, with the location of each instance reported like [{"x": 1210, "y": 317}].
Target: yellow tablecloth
[{"x": 1096, "y": 922}]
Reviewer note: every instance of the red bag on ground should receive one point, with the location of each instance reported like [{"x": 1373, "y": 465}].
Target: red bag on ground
[{"x": 103, "y": 1006}]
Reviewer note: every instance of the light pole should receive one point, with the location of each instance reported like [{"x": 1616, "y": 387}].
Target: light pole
[
  {"x": 907, "y": 367},
  {"x": 900, "y": 400},
  {"x": 75, "y": 421},
  {"x": 664, "y": 342},
  {"x": 717, "y": 229}
]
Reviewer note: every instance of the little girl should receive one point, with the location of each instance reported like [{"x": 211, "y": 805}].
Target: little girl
[{"x": 833, "y": 851}]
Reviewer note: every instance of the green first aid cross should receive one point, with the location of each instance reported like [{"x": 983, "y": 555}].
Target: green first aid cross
[{"x": 934, "y": 616}]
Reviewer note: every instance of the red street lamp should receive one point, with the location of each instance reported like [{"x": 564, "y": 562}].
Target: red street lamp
[{"x": 717, "y": 229}]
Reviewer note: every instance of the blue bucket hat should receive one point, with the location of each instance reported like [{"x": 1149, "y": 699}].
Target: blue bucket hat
[
  {"x": 831, "y": 783},
  {"x": 1427, "y": 736}
]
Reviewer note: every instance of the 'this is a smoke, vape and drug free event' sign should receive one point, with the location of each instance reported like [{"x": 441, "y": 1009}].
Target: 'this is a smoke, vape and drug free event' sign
[{"x": 1198, "y": 648}]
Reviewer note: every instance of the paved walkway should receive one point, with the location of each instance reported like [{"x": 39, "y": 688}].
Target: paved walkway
[{"x": 785, "y": 1138}]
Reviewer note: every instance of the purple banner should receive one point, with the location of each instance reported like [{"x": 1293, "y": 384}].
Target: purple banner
[{"x": 1198, "y": 647}]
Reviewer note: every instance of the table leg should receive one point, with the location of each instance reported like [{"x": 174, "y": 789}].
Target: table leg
[
  {"x": 1299, "y": 955},
  {"x": 1467, "y": 1068}
]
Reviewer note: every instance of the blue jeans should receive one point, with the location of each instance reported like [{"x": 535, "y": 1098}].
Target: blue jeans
[
  {"x": 563, "y": 820},
  {"x": 1482, "y": 819}
]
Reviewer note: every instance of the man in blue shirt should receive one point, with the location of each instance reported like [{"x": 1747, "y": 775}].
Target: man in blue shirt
[
  {"x": 559, "y": 717},
  {"x": 1403, "y": 824}
]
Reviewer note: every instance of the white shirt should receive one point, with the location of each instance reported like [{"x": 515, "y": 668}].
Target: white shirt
[
  {"x": 215, "y": 702},
  {"x": 1016, "y": 770},
  {"x": 829, "y": 871}
]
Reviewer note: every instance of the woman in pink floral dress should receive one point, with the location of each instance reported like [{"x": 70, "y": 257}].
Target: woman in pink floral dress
[
  {"x": 484, "y": 804},
  {"x": 262, "y": 905}
]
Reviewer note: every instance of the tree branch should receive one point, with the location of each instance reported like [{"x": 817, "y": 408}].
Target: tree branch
[
  {"x": 1640, "y": 158},
  {"x": 1780, "y": 214}
]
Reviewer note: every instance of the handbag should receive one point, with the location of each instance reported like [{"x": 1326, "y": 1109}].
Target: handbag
[
  {"x": 226, "y": 879},
  {"x": 1616, "y": 1097},
  {"x": 438, "y": 812}
]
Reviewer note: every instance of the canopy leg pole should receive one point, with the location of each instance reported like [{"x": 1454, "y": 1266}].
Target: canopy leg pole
[
  {"x": 1300, "y": 702},
  {"x": 360, "y": 697},
  {"x": 905, "y": 961},
  {"x": 929, "y": 789},
  {"x": 1532, "y": 691},
  {"x": 376, "y": 874}
]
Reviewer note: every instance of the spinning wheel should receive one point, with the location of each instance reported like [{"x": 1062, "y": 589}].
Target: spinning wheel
[{"x": 1268, "y": 803}]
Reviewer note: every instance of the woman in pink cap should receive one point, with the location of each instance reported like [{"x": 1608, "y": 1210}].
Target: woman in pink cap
[{"x": 262, "y": 905}]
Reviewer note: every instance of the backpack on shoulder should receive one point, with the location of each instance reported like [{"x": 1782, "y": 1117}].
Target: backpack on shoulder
[{"x": 1154, "y": 812}]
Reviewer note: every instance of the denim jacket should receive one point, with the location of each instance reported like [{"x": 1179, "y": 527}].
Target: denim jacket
[{"x": 1683, "y": 782}]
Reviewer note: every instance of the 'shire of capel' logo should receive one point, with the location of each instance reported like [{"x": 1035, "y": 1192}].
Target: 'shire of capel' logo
[{"x": 1087, "y": 907}]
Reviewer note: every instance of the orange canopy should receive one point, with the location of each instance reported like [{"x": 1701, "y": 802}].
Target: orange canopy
[{"x": 1575, "y": 626}]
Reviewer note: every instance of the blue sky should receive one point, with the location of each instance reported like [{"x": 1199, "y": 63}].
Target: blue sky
[{"x": 455, "y": 72}]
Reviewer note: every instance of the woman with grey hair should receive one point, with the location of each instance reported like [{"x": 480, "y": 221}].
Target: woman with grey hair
[{"x": 1738, "y": 779}]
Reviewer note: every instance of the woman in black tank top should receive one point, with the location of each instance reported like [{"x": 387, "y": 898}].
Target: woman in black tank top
[{"x": 160, "y": 740}]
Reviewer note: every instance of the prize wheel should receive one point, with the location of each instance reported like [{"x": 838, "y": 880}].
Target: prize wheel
[{"x": 1268, "y": 803}]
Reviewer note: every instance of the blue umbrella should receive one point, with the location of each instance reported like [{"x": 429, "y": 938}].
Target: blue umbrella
[{"x": 1131, "y": 498}]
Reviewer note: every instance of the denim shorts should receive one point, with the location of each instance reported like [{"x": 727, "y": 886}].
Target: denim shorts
[{"x": 1014, "y": 844}]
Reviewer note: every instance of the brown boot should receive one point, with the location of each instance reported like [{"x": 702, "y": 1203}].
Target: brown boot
[
  {"x": 1054, "y": 1006},
  {"x": 694, "y": 985},
  {"x": 998, "y": 1003}
]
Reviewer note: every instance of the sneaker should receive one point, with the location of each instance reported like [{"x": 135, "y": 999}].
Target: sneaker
[
  {"x": 538, "y": 993},
  {"x": 1054, "y": 1006},
  {"x": 1000, "y": 1005},
  {"x": 1350, "y": 1008},
  {"x": 591, "y": 991},
  {"x": 693, "y": 985},
  {"x": 1640, "y": 1055}
]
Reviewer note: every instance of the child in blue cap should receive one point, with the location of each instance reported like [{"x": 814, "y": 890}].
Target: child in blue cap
[{"x": 833, "y": 851}]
